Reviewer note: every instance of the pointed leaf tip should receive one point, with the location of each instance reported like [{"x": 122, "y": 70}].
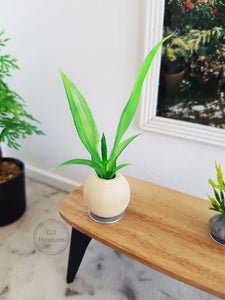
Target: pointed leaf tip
[{"x": 131, "y": 106}]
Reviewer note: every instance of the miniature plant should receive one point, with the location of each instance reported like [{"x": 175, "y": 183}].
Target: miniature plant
[
  {"x": 218, "y": 201},
  {"x": 104, "y": 165},
  {"x": 14, "y": 120}
]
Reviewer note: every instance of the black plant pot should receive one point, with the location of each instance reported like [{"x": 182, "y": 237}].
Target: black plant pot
[{"x": 12, "y": 196}]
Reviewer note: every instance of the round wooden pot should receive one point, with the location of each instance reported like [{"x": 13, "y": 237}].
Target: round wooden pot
[{"x": 106, "y": 199}]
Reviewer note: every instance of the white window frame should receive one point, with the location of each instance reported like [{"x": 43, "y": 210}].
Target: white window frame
[{"x": 148, "y": 119}]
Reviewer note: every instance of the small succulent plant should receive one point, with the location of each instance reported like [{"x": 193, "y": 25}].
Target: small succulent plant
[{"x": 219, "y": 189}]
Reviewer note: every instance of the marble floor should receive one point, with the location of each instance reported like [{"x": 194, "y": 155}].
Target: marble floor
[{"x": 30, "y": 272}]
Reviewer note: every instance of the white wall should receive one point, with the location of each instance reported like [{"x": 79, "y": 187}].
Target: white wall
[{"x": 99, "y": 45}]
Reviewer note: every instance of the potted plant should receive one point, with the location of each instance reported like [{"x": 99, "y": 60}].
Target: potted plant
[
  {"x": 106, "y": 191},
  {"x": 14, "y": 123},
  {"x": 174, "y": 56},
  {"x": 217, "y": 222}
]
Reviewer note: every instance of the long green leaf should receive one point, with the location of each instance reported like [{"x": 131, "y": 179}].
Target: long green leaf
[
  {"x": 86, "y": 162},
  {"x": 216, "y": 195},
  {"x": 213, "y": 202},
  {"x": 82, "y": 117},
  {"x": 222, "y": 199},
  {"x": 118, "y": 151},
  {"x": 131, "y": 106},
  {"x": 103, "y": 148},
  {"x": 104, "y": 154}
]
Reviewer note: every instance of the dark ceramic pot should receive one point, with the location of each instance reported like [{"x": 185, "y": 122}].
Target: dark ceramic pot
[
  {"x": 217, "y": 228},
  {"x": 13, "y": 196}
]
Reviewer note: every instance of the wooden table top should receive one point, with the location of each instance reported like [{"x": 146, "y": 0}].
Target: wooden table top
[{"x": 163, "y": 229}]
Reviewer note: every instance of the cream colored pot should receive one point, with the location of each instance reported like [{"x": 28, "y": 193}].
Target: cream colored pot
[{"x": 107, "y": 198}]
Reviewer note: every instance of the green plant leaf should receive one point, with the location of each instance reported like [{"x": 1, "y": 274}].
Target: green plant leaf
[
  {"x": 104, "y": 148},
  {"x": 118, "y": 168},
  {"x": 216, "y": 195},
  {"x": 94, "y": 165},
  {"x": 213, "y": 184},
  {"x": 219, "y": 175},
  {"x": 118, "y": 150},
  {"x": 104, "y": 154},
  {"x": 131, "y": 106},
  {"x": 212, "y": 208},
  {"x": 82, "y": 117},
  {"x": 222, "y": 199},
  {"x": 213, "y": 202}
]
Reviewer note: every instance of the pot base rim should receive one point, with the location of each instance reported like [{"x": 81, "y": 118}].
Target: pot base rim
[
  {"x": 216, "y": 240},
  {"x": 103, "y": 220}
]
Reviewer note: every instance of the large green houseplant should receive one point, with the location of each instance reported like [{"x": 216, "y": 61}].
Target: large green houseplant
[
  {"x": 15, "y": 123},
  {"x": 104, "y": 183}
]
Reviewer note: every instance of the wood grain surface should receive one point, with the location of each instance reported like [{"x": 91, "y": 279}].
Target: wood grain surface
[{"x": 163, "y": 229}]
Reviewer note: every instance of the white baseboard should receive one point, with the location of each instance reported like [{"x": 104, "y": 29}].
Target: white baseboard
[{"x": 51, "y": 179}]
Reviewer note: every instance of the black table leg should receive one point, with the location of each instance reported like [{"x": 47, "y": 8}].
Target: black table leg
[{"x": 78, "y": 246}]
